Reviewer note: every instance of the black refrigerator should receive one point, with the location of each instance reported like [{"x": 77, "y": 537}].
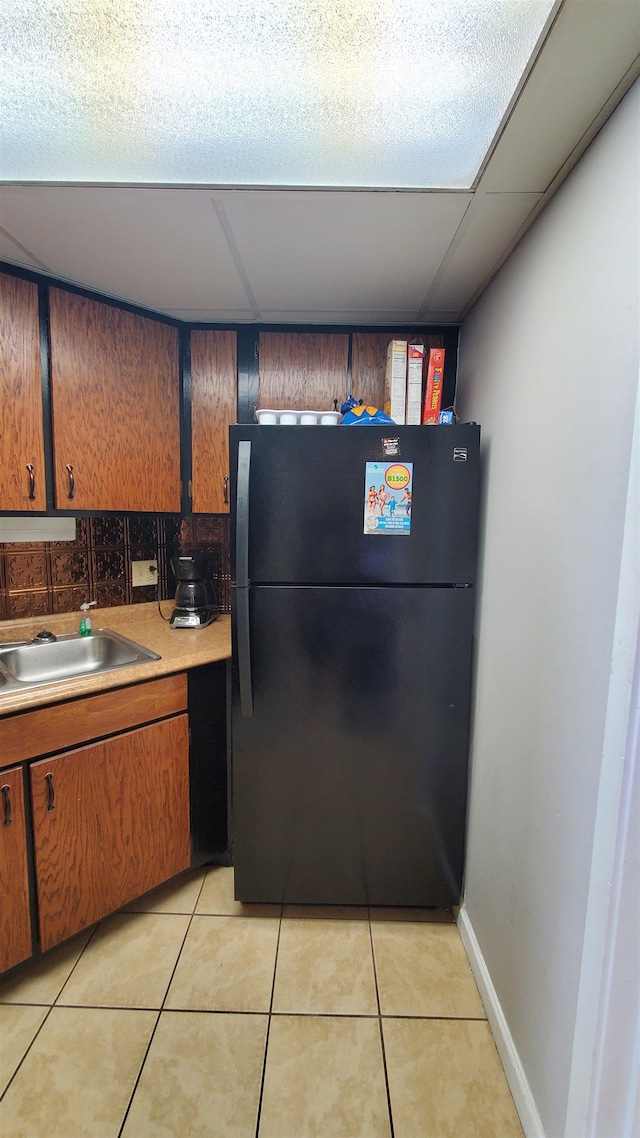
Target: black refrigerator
[{"x": 354, "y": 561}]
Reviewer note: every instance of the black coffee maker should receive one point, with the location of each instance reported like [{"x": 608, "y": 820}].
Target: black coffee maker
[{"x": 196, "y": 598}]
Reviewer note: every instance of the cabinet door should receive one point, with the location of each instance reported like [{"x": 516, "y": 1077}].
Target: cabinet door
[
  {"x": 15, "y": 918},
  {"x": 116, "y": 408},
  {"x": 213, "y": 407},
  {"x": 111, "y": 821},
  {"x": 302, "y": 370},
  {"x": 21, "y": 429}
]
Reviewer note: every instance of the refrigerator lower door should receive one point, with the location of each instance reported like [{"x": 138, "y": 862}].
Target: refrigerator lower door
[{"x": 350, "y": 775}]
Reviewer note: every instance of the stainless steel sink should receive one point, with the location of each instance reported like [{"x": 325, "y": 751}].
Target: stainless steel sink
[{"x": 70, "y": 655}]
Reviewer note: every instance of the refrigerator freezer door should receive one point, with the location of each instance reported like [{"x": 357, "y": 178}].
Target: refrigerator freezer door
[
  {"x": 306, "y": 497},
  {"x": 349, "y": 780}
]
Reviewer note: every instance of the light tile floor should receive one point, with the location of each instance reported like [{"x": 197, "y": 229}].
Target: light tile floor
[{"x": 188, "y": 1015}]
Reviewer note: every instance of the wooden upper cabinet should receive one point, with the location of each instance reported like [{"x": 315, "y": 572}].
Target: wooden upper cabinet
[
  {"x": 369, "y": 361},
  {"x": 116, "y": 407},
  {"x": 15, "y": 913},
  {"x": 21, "y": 428},
  {"x": 214, "y": 403},
  {"x": 303, "y": 370}
]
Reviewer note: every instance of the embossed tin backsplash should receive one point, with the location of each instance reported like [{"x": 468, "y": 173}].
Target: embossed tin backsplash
[{"x": 39, "y": 578}]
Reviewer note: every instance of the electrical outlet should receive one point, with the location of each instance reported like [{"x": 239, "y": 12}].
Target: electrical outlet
[{"x": 144, "y": 573}]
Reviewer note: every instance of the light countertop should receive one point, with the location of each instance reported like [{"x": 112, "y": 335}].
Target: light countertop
[{"x": 179, "y": 649}]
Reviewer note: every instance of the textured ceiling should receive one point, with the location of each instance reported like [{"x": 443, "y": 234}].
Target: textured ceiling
[
  {"x": 318, "y": 93},
  {"x": 337, "y": 256}
]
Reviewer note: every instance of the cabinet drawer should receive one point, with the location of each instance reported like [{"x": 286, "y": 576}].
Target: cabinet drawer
[{"x": 31, "y": 733}]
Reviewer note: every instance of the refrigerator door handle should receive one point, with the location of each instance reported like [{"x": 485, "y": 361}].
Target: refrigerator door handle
[
  {"x": 244, "y": 653},
  {"x": 242, "y": 515}
]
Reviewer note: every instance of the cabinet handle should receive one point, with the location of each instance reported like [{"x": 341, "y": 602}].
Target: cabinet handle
[
  {"x": 225, "y": 489},
  {"x": 32, "y": 482},
  {"x": 6, "y": 805},
  {"x": 51, "y": 794},
  {"x": 72, "y": 484}
]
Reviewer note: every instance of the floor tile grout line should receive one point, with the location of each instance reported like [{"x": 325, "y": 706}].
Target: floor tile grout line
[
  {"x": 200, "y": 890},
  {"x": 316, "y": 1015},
  {"x": 155, "y": 1026},
  {"x": 177, "y": 961},
  {"x": 139, "y": 1075},
  {"x": 76, "y": 962},
  {"x": 379, "y": 1017},
  {"x": 266, "y": 1041},
  {"x": 375, "y": 971},
  {"x": 440, "y": 1019},
  {"x": 49, "y": 1008},
  {"x": 253, "y": 1012},
  {"x": 386, "y": 1076},
  {"x": 250, "y": 1012},
  {"x": 164, "y": 912}
]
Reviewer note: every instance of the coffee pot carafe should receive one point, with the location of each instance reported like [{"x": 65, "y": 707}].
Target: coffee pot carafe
[{"x": 196, "y": 597}]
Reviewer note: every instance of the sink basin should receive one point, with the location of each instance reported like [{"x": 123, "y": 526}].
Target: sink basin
[{"x": 71, "y": 655}]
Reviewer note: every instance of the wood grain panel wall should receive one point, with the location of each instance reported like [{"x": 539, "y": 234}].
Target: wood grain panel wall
[
  {"x": 302, "y": 370},
  {"x": 213, "y": 408},
  {"x": 15, "y": 913},
  {"x": 119, "y": 824},
  {"x": 116, "y": 407},
  {"x": 21, "y": 427},
  {"x": 369, "y": 361}
]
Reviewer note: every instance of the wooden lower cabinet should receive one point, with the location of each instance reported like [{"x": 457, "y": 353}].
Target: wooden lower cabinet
[
  {"x": 110, "y": 821},
  {"x": 15, "y": 913}
]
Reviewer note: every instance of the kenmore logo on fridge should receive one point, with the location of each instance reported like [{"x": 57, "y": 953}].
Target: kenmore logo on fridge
[{"x": 459, "y": 454}]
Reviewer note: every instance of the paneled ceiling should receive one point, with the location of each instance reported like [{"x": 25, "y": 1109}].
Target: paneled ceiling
[{"x": 355, "y": 256}]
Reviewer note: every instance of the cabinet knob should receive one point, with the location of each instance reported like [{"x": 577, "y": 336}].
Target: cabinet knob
[
  {"x": 32, "y": 482},
  {"x": 6, "y": 805},
  {"x": 225, "y": 490},
  {"x": 72, "y": 484},
  {"x": 51, "y": 794}
]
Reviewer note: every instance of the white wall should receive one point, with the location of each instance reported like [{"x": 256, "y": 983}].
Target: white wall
[{"x": 549, "y": 367}]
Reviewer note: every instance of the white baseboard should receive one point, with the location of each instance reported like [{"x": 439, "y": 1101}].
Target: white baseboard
[{"x": 513, "y": 1069}]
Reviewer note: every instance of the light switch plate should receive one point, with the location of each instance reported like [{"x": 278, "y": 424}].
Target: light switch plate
[{"x": 144, "y": 573}]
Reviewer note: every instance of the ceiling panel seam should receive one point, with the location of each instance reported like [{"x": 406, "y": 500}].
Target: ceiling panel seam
[
  {"x": 504, "y": 256},
  {"x": 24, "y": 249},
  {"x": 446, "y": 260},
  {"x": 594, "y": 128},
  {"x": 631, "y": 75},
  {"x": 227, "y": 229},
  {"x": 231, "y": 187},
  {"x": 543, "y": 39}
]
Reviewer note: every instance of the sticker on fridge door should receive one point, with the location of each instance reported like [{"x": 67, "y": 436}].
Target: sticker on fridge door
[{"x": 388, "y": 490}]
